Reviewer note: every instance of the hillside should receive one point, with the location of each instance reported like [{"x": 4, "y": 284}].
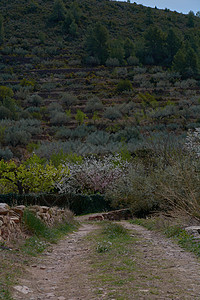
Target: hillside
[{"x": 94, "y": 76}]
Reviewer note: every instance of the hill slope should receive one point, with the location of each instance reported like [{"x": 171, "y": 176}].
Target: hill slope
[{"x": 54, "y": 87}]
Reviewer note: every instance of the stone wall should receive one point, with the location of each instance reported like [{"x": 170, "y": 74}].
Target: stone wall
[
  {"x": 12, "y": 227},
  {"x": 115, "y": 215}
]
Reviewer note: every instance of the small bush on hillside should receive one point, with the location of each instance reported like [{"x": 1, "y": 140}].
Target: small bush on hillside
[
  {"x": 5, "y": 113},
  {"x": 23, "y": 93},
  {"x": 69, "y": 99},
  {"x": 80, "y": 116},
  {"x": 15, "y": 137},
  {"x": 112, "y": 62},
  {"x": 98, "y": 138},
  {"x": 59, "y": 118},
  {"x": 93, "y": 104},
  {"x": 124, "y": 85},
  {"x": 132, "y": 61},
  {"x": 6, "y": 154},
  {"x": 48, "y": 86},
  {"x": 92, "y": 61},
  {"x": 54, "y": 108},
  {"x": 35, "y": 100},
  {"x": 112, "y": 113}
]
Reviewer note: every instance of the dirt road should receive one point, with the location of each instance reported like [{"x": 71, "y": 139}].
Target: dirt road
[{"x": 64, "y": 273}]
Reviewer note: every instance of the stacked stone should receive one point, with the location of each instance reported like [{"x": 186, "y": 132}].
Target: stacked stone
[
  {"x": 11, "y": 218},
  {"x": 10, "y": 221}
]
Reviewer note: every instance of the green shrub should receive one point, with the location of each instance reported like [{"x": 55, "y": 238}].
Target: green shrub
[
  {"x": 124, "y": 85},
  {"x": 6, "y": 154},
  {"x": 135, "y": 190},
  {"x": 35, "y": 100},
  {"x": 112, "y": 113},
  {"x": 59, "y": 118},
  {"x": 132, "y": 61},
  {"x": 80, "y": 116},
  {"x": 15, "y": 137},
  {"x": 5, "y": 113},
  {"x": 93, "y": 104},
  {"x": 69, "y": 99},
  {"x": 112, "y": 62}
]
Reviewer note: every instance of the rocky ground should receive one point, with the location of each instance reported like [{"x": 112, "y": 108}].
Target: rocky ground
[{"x": 65, "y": 272}]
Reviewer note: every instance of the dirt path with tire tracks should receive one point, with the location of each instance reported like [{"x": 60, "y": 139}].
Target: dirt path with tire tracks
[{"x": 65, "y": 271}]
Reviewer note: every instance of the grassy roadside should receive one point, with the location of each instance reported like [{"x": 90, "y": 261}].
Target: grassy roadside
[
  {"x": 176, "y": 232},
  {"x": 14, "y": 261}
]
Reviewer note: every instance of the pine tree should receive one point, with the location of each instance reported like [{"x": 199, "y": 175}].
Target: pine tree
[
  {"x": 190, "y": 21},
  {"x": 173, "y": 44},
  {"x": 155, "y": 43},
  {"x": 179, "y": 61},
  {"x": 185, "y": 61},
  {"x": 97, "y": 42},
  {"x": 1, "y": 30},
  {"x": 128, "y": 48},
  {"x": 73, "y": 29},
  {"x": 59, "y": 11},
  {"x": 117, "y": 50}
]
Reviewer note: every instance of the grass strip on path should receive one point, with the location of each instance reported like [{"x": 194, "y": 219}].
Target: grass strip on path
[{"x": 127, "y": 264}]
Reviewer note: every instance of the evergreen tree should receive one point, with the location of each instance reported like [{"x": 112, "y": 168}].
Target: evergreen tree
[
  {"x": 97, "y": 42},
  {"x": 67, "y": 22},
  {"x": 186, "y": 61},
  {"x": 1, "y": 30},
  {"x": 155, "y": 41},
  {"x": 149, "y": 18},
  {"x": 73, "y": 29},
  {"x": 179, "y": 61},
  {"x": 173, "y": 43},
  {"x": 59, "y": 11},
  {"x": 76, "y": 12},
  {"x": 190, "y": 21},
  {"x": 128, "y": 48},
  {"x": 117, "y": 50}
]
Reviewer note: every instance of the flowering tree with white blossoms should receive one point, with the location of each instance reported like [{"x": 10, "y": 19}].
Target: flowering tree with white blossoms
[
  {"x": 92, "y": 175},
  {"x": 193, "y": 141}
]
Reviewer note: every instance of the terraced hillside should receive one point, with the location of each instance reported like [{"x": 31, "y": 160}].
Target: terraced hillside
[{"x": 56, "y": 95}]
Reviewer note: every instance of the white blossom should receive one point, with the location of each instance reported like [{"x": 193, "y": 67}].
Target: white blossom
[{"x": 92, "y": 175}]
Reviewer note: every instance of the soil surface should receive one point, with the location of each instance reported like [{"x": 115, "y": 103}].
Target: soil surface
[{"x": 64, "y": 272}]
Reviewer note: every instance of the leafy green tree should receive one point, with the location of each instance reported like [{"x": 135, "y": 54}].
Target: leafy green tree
[
  {"x": 1, "y": 30},
  {"x": 59, "y": 11},
  {"x": 97, "y": 42},
  {"x": 30, "y": 176}
]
